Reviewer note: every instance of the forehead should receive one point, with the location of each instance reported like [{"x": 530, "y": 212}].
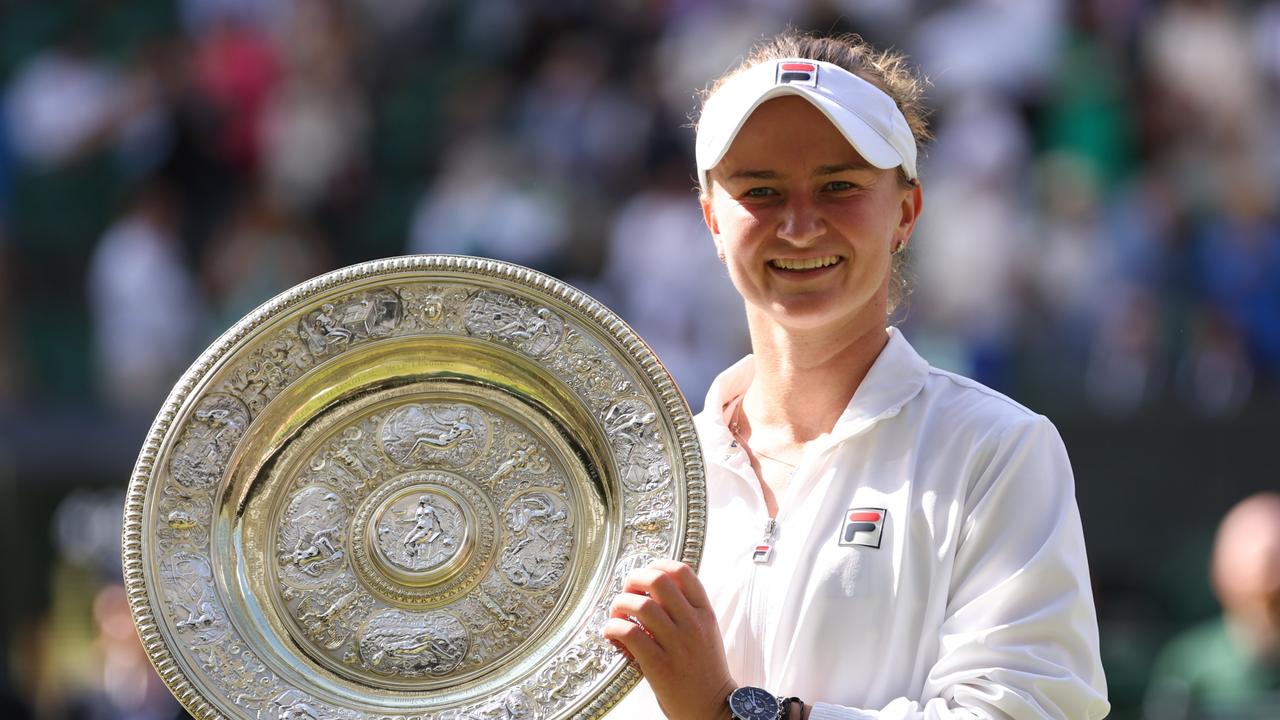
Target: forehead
[{"x": 787, "y": 133}]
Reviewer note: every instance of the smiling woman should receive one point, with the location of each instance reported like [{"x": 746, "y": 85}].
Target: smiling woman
[{"x": 885, "y": 539}]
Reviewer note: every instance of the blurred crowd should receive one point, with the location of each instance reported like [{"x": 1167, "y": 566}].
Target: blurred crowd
[
  {"x": 1102, "y": 224},
  {"x": 1103, "y": 192}
]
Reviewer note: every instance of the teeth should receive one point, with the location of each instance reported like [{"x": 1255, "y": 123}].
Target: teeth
[{"x": 808, "y": 264}]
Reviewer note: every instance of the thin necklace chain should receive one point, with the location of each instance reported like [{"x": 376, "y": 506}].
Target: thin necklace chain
[{"x": 735, "y": 427}]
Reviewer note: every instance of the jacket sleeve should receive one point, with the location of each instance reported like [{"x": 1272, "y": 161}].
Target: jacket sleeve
[{"x": 1020, "y": 635}]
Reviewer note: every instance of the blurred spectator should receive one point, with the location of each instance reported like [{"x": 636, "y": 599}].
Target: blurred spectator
[
  {"x": 61, "y": 103},
  {"x": 237, "y": 70},
  {"x": 146, "y": 308},
  {"x": 263, "y": 250},
  {"x": 574, "y": 122},
  {"x": 314, "y": 123},
  {"x": 971, "y": 247},
  {"x": 1230, "y": 667},
  {"x": 486, "y": 202}
]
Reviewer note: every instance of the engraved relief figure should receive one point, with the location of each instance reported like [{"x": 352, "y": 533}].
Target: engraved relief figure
[
  {"x": 336, "y": 325},
  {"x": 538, "y": 553},
  {"x": 423, "y": 434},
  {"x": 396, "y": 642},
  {"x": 293, "y": 705},
  {"x": 185, "y": 519},
  {"x": 514, "y": 704},
  {"x": 270, "y": 368},
  {"x": 329, "y": 614},
  {"x": 632, "y": 429},
  {"x": 526, "y": 458},
  {"x": 420, "y": 533},
  {"x": 534, "y": 331},
  {"x": 345, "y": 464},
  {"x": 426, "y": 526},
  {"x": 310, "y": 541},
  {"x": 432, "y": 307},
  {"x": 651, "y": 521},
  {"x": 588, "y": 367},
  {"x": 188, "y": 582},
  {"x": 215, "y": 428},
  {"x": 569, "y": 673}
]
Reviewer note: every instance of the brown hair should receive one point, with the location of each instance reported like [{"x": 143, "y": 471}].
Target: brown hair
[{"x": 887, "y": 70}]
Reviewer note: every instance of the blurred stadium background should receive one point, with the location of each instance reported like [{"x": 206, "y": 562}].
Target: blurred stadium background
[{"x": 1101, "y": 241}]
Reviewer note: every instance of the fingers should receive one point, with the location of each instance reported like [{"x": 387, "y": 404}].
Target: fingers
[
  {"x": 690, "y": 586},
  {"x": 634, "y": 640},
  {"x": 648, "y": 611}
]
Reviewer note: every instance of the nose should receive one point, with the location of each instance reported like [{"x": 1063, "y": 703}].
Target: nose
[{"x": 801, "y": 222}]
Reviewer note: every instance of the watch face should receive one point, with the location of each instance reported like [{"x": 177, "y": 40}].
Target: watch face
[{"x": 753, "y": 703}]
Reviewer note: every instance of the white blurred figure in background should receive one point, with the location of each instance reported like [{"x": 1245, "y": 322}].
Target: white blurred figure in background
[
  {"x": 971, "y": 249},
  {"x": 147, "y": 310},
  {"x": 485, "y": 202},
  {"x": 61, "y": 102}
]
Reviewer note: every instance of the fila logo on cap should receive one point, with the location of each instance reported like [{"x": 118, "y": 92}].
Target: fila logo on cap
[
  {"x": 797, "y": 73},
  {"x": 863, "y": 526}
]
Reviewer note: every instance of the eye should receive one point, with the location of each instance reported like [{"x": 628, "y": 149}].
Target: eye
[
  {"x": 839, "y": 186},
  {"x": 760, "y": 192}
]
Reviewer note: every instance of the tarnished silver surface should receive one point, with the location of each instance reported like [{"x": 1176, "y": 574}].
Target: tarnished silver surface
[{"x": 408, "y": 489}]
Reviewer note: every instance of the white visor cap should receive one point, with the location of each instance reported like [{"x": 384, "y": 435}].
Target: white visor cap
[{"x": 867, "y": 117}]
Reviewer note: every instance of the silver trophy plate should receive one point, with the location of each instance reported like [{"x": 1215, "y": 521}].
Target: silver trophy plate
[{"x": 408, "y": 489}]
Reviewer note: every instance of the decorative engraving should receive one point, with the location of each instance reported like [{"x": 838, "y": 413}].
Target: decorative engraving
[
  {"x": 434, "y": 308},
  {"x": 294, "y": 705},
  {"x": 421, "y": 531},
  {"x": 396, "y": 642},
  {"x": 542, "y": 539},
  {"x": 267, "y": 370},
  {"x": 188, "y": 582},
  {"x": 571, "y": 672},
  {"x": 426, "y": 434},
  {"x": 311, "y": 536},
  {"x": 633, "y": 431},
  {"x": 333, "y": 327},
  {"x": 184, "y": 519},
  {"x": 591, "y": 370},
  {"x": 329, "y": 614},
  {"x": 533, "y": 330},
  {"x": 443, "y": 576},
  {"x": 215, "y": 428},
  {"x": 513, "y": 704},
  {"x": 526, "y": 460},
  {"x": 651, "y": 523}
]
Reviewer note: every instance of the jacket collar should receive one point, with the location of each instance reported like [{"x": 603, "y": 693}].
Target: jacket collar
[{"x": 897, "y": 376}]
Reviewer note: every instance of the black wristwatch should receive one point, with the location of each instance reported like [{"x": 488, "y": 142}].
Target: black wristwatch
[{"x": 753, "y": 703}]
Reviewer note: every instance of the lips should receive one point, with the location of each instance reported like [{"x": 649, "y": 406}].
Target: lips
[{"x": 801, "y": 264}]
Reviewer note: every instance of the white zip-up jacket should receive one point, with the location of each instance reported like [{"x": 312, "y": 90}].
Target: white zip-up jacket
[{"x": 928, "y": 559}]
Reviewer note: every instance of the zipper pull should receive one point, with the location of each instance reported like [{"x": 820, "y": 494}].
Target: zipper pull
[{"x": 764, "y": 551}]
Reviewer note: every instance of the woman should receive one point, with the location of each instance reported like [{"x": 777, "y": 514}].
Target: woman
[{"x": 885, "y": 539}]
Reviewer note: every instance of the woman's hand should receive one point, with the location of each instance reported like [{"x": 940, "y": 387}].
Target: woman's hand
[{"x": 664, "y": 620}]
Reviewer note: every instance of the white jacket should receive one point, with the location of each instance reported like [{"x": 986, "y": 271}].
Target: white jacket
[{"x": 975, "y": 604}]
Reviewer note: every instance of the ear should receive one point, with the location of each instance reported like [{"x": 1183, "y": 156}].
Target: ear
[
  {"x": 912, "y": 205},
  {"x": 713, "y": 223}
]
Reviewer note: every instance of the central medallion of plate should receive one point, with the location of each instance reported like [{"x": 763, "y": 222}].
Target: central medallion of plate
[
  {"x": 422, "y": 537},
  {"x": 419, "y": 532}
]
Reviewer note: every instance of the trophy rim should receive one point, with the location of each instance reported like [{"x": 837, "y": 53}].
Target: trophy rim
[{"x": 630, "y": 347}]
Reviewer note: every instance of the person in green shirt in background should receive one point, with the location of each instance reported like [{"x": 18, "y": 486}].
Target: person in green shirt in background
[{"x": 1229, "y": 668}]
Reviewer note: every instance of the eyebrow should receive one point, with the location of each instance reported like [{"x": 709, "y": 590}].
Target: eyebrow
[
  {"x": 842, "y": 167},
  {"x": 821, "y": 171}
]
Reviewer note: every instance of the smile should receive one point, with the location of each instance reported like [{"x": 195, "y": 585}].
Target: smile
[{"x": 805, "y": 264}]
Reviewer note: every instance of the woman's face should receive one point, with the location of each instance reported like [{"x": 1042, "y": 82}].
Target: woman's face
[{"x": 805, "y": 224}]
